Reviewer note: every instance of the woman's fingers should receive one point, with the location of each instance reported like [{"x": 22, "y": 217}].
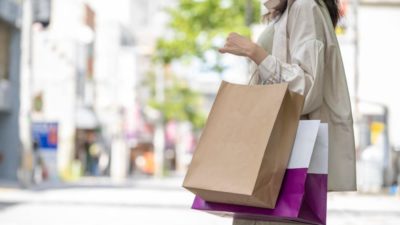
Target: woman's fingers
[
  {"x": 222, "y": 50},
  {"x": 228, "y": 49},
  {"x": 231, "y": 50},
  {"x": 225, "y": 50},
  {"x": 233, "y": 38},
  {"x": 235, "y": 44}
]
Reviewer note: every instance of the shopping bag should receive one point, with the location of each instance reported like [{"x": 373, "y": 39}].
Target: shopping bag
[
  {"x": 245, "y": 145},
  {"x": 303, "y": 197}
]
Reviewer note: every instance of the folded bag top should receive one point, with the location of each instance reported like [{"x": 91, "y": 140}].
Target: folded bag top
[{"x": 245, "y": 146}]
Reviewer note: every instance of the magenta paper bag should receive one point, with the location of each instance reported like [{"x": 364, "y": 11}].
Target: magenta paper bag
[{"x": 303, "y": 195}]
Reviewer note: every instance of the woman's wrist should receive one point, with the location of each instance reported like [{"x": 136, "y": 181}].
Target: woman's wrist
[{"x": 257, "y": 54}]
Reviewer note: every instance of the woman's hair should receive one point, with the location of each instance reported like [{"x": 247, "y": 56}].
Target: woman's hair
[
  {"x": 333, "y": 9},
  {"x": 331, "y": 5}
]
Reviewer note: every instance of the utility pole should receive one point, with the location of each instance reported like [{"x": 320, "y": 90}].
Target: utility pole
[
  {"x": 26, "y": 80},
  {"x": 32, "y": 11},
  {"x": 159, "y": 135},
  {"x": 356, "y": 60},
  {"x": 249, "y": 12}
]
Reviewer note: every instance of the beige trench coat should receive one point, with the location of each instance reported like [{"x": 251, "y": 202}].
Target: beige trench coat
[{"x": 305, "y": 53}]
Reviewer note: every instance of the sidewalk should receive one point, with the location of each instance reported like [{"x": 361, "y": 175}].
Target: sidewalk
[{"x": 101, "y": 201}]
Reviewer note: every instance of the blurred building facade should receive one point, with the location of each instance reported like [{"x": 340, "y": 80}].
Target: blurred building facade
[
  {"x": 10, "y": 39},
  {"x": 377, "y": 84},
  {"x": 82, "y": 70},
  {"x": 367, "y": 35},
  {"x": 57, "y": 74},
  {"x": 83, "y": 62}
]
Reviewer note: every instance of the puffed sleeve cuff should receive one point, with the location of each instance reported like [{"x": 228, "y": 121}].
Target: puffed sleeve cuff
[{"x": 268, "y": 70}]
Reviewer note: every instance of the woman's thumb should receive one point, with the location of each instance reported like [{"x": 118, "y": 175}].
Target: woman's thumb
[{"x": 222, "y": 50}]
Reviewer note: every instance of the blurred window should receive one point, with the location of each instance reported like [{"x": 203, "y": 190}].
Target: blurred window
[
  {"x": 41, "y": 12},
  {"x": 141, "y": 13},
  {"x": 5, "y": 38}
]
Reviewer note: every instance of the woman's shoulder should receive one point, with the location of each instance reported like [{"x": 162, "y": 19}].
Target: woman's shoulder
[
  {"x": 306, "y": 8},
  {"x": 307, "y": 12},
  {"x": 307, "y": 20},
  {"x": 306, "y": 4}
]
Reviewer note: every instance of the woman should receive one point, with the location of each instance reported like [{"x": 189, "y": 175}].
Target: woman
[{"x": 299, "y": 46}]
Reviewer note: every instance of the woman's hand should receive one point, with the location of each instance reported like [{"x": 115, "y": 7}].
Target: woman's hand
[{"x": 241, "y": 46}]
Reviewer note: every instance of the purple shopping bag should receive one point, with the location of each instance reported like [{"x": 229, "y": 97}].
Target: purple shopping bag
[{"x": 303, "y": 195}]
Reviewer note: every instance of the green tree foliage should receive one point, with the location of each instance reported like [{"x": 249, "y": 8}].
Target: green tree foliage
[
  {"x": 195, "y": 27},
  {"x": 181, "y": 103}
]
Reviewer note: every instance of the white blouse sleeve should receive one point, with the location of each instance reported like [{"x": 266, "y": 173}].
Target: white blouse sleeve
[{"x": 304, "y": 74}]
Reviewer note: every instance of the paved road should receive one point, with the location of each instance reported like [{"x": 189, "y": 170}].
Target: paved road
[{"x": 155, "y": 202}]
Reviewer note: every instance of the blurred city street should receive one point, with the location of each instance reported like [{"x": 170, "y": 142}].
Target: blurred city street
[
  {"x": 103, "y": 103},
  {"x": 98, "y": 201}
]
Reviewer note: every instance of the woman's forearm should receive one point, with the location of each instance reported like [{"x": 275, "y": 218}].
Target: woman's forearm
[{"x": 257, "y": 54}]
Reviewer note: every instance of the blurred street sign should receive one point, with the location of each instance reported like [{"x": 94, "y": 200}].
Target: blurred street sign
[
  {"x": 45, "y": 135},
  {"x": 377, "y": 129}
]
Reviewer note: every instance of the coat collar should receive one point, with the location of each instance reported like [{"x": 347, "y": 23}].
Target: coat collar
[{"x": 282, "y": 50}]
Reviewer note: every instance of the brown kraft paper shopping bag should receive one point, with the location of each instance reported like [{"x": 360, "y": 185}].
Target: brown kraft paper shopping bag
[{"x": 245, "y": 146}]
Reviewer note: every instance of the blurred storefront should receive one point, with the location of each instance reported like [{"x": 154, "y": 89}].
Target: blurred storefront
[
  {"x": 59, "y": 70},
  {"x": 84, "y": 64},
  {"x": 10, "y": 40},
  {"x": 378, "y": 65},
  {"x": 83, "y": 67},
  {"x": 368, "y": 36}
]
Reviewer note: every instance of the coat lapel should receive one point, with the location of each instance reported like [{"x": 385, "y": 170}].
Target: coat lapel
[{"x": 280, "y": 48}]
